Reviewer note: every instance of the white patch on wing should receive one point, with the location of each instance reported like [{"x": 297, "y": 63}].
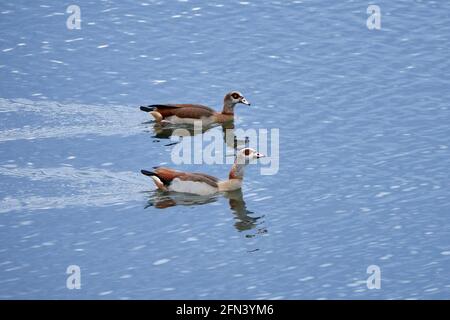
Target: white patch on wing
[
  {"x": 194, "y": 187},
  {"x": 158, "y": 182}
]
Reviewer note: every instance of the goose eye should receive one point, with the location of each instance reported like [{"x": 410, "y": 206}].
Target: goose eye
[
  {"x": 247, "y": 152},
  {"x": 235, "y": 96}
]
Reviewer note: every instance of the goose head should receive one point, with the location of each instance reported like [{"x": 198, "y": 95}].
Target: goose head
[
  {"x": 234, "y": 97},
  {"x": 244, "y": 156}
]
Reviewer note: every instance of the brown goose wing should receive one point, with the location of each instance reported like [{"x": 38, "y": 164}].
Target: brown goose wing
[
  {"x": 166, "y": 175},
  {"x": 199, "y": 177},
  {"x": 193, "y": 111}
]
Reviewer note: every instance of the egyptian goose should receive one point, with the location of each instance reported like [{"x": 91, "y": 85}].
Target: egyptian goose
[
  {"x": 167, "y": 179},
  {"x": 188, "y": 113}
]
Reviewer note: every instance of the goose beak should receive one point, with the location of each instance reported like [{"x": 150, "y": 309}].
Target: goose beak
[
  {"x": 259, "y": 155},
  {"x": 244, "y": 101}
]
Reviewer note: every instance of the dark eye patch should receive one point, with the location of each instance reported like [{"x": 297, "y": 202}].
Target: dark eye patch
[
  {"x": 235, "y": 96},
  {"x": 247, "y": 152}
]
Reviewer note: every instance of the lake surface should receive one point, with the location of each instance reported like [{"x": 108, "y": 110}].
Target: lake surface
[{"x": 363, "y": 117}]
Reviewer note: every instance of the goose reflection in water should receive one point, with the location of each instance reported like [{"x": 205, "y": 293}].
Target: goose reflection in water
[
  {"x": 166, "y": 131},
  {"x": 243, "y": 220}
]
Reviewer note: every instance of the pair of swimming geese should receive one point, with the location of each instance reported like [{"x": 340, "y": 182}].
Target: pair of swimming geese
[{"x": 167, "y": 179}]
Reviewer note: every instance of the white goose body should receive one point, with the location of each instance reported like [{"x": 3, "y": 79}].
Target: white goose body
[{"x": 193, "y": 187}]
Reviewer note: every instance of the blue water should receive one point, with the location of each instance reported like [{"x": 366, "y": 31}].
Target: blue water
[{"x": 364, "y": 150}]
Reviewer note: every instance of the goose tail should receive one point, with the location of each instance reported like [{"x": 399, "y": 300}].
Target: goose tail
[
  {"x": 147, "y": 108},
  {"x": 156, "y": 179},
  {"x": 148, "y": 173}
]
